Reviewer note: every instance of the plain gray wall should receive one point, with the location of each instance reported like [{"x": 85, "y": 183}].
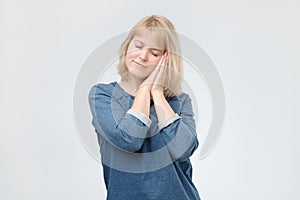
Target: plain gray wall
[{"x": 254, "y": 44}]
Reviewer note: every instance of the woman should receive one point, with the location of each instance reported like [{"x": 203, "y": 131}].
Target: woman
[{"x": 145, "y": 124}]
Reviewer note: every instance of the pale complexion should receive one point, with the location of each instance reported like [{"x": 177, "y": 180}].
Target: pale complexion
[{"x": 146, "y": 61}]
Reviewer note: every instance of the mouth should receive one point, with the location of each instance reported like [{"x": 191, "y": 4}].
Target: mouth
[{"x": 139, "y": 64}]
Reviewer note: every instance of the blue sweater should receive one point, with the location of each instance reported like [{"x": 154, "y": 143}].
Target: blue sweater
[{"x": 142, "y": 159}]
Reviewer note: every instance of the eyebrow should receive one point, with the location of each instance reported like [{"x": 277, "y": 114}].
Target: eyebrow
[{"x": 155, "y": 49}]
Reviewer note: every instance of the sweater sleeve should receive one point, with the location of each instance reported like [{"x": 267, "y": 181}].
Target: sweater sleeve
[
  {"x": 180, "y": 135},
  {"x": 120, "y": 128}
]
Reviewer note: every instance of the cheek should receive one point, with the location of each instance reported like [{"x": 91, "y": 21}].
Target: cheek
[
  {"x": 130, "y": 55},
  {"x": 128, "y": 60},
  {"x": 154, "y": 61},
  {"x": 132, "y": 50}
]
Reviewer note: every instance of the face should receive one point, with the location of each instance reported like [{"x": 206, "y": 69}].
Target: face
[{"x": 143, "y": 54}]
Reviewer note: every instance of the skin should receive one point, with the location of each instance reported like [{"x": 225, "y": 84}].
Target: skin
[{"x": 146, "y": 61}]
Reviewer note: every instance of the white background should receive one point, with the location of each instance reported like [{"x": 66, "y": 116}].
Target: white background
[{"x": 254, "y": 45}]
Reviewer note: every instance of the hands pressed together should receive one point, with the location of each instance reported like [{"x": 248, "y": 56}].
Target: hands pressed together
[
  {"x": 153, "y": 87},
  {"x": 157, "y": 80}
]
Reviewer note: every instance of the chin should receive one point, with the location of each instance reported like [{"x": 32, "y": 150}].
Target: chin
[
  {"x": 138, "y": 73},
  {"x": 138, "y": 76}
]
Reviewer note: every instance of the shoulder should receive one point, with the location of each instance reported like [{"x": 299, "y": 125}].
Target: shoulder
[
  {"x": 180, "y": 102},
  {"x": 182, "y": 97},
  {"x": 102, "y": 88}
]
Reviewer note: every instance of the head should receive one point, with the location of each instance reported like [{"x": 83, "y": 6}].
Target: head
[{"x": 146, "y": 43}]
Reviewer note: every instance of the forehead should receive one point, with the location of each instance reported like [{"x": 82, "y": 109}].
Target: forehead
[{"x": 150, "y": 39}]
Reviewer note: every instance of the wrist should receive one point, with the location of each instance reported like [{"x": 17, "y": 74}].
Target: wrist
[
  {"x": 143, "y": 90},
  {"x": 158, "y": 95}
]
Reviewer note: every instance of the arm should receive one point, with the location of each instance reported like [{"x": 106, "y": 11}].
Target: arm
[
  {"x": 177, "y": 131},
  {"x": 120, "y": 128},
  {"x": 180, "y": 134},
  {"x": 162, "y": 107},
  {"x": 142, "y": 100}
]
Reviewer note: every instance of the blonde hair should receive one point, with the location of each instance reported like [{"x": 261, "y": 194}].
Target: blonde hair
[{"x": 165, "y": 32}]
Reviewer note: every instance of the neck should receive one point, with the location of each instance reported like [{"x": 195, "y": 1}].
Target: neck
[{"x": 130, "y": 85}]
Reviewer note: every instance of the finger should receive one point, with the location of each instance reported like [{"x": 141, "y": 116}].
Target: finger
[
  {"x": 158, "y": 66},
  {"x": 165, "y": 54},
  {"x": 164, "y": 72},
  {"x": 151, "y": 78},
  {"x": 160, "y": 77}
]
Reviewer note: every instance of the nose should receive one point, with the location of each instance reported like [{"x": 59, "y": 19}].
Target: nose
[{"x": 143, "y": 55}]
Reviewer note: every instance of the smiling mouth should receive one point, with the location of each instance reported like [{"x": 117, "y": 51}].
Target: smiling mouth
[{"x": 139, "y": 64}]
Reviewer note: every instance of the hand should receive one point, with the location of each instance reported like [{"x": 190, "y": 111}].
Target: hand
[
  {"x": 160, "y": 81},
  {"x": 147, "y": 83},
  {"x": 150, "y": 80}
]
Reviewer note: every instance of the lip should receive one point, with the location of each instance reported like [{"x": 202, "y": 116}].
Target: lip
[{"x": 139, "y": 64}]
